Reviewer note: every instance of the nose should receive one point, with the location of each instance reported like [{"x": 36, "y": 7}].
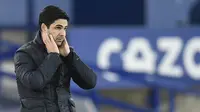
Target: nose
[{"x": 62, "y": 32}]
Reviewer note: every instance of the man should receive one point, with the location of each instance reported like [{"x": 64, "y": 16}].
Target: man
[{"x": 45, "y": 65}]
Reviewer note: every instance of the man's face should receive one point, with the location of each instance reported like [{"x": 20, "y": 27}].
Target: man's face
[{"x": 58, "y": 30}]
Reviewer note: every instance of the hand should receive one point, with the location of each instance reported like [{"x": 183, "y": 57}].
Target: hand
[
  {"x": 49, "y": 42},
  {"x": 64, "y": 48}
]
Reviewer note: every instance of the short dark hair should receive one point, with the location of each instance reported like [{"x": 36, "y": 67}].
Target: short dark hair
[{"x": 50, "y": 14}]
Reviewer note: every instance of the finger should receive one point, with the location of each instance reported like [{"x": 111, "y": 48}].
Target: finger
[
  {"x": 51, "y": 38},
  {"x": 66, "y": 41},
  {"x": 45, "y": 37}
]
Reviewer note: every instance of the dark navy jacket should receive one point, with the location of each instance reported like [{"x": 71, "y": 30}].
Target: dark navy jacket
[{"x": 43, "y": 79}]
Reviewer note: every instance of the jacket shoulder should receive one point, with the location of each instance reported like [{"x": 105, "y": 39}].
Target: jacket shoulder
[{"x": 27, "y": 47}]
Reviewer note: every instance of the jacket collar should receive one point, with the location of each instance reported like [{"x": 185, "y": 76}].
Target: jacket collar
[{"x": 38, "y": 40}]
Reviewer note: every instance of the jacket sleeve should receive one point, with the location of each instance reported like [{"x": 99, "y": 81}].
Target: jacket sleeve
[
  {"x": 81, "y": 74},
  {"x": 32, "y": 76}
]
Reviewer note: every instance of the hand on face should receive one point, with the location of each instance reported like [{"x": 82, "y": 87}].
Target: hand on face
[
  {"x": 58, "y": 33},
  {"x": 64, "y": 48},
  {"x": 49, "y": 42}
]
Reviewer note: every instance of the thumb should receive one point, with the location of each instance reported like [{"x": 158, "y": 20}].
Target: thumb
[{"x": 66, "y": 41}]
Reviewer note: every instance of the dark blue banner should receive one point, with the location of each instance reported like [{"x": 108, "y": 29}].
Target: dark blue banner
[{"x": 168, "y": 58}]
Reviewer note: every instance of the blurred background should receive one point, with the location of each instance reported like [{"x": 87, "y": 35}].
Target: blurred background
[{"x": 145, "y": 52}]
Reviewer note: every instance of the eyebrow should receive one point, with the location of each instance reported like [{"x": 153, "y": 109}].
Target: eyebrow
[{"x": 60, "y": 26}]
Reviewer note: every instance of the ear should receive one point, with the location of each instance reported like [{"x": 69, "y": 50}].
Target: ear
[{"x": 43, "y": 27}]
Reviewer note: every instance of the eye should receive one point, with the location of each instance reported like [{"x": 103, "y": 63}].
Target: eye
[{"x": 59, "y": 28}]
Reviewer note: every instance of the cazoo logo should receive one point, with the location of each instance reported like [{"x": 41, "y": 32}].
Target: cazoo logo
[{"x": 171, "y": 46}]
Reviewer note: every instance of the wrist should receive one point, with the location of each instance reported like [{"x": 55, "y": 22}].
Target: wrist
[
  {"x": 68, "y": 59},
  {"x": 67, "y": 53}
]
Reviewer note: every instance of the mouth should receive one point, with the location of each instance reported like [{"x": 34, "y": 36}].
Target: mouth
[{"x": 59, "y": 40}]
